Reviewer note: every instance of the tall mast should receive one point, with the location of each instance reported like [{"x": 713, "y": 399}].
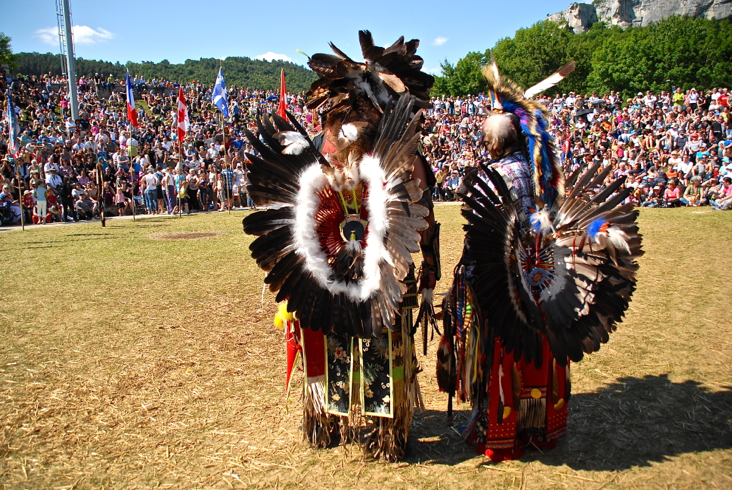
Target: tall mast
[{"x": 68, "y": 45}]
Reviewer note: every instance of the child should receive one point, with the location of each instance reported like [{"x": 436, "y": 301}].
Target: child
[
  {"x": 121, "y": 201},
  {"x": 39, "y": 197},
  {"x": 28, "y": 204},
  {"x": 183, "y": 196},
  {"x": 221, "y": 192}
]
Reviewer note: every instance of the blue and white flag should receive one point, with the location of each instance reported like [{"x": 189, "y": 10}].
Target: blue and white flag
[
  {"x": 13, "y": 128},
  {"x": 219, "y": 96}
]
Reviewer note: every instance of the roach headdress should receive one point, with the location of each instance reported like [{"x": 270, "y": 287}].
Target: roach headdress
[{"x": 546, "y": 169}]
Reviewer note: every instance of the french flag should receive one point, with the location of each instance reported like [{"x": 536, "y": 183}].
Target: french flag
[{"x": 131, "y": 114}]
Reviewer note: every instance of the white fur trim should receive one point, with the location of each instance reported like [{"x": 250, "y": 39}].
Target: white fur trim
[
  {"x": 294, "y": 142},
  {"x": 307, "y": 242},
  {"x": 349, "y": 132},
  {"x": 544, "y": 220}
]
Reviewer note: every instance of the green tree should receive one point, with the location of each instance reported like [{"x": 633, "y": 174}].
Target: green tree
[
  {"x": 6, "y": 53},
  {"x": 678, "y": 51},
  {"x": 465, "y": 77},
  {"x": 242, "y": 72},
  {"x": 533, "y": 53}
]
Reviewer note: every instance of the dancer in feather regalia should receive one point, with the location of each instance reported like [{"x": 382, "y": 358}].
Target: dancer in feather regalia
[
  {"x": 345, "y": 211},
  {"x": 544, "y": 278}
]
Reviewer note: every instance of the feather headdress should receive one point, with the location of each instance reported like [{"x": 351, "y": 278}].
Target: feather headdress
[
  {"x": 384, "y": 73},
  {"x": 352, "y": 96},
  {"x": 359, "y": 91},
  {"x": 506, "y": 96}
]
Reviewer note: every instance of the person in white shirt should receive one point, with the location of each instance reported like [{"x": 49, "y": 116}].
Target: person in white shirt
[
  {"x": 70, "y": 127},
  {"x": 570, "y": 101},
  {"x": 52, "y": 178},
  {"x": 150, "y": 184}
]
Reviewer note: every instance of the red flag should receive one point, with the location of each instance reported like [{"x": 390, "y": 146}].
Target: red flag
[
  {"x": 282, "y": 108},
  {"x": 183, "y": 121}
]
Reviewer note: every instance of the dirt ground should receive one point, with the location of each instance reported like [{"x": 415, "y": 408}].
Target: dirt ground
[{"x": 143, "y": 355}]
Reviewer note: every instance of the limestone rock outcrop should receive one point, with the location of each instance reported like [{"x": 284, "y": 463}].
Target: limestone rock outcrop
[{"x": 627, "y": 13}]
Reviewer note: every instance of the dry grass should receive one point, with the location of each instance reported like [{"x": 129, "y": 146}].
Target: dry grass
[{"x": 133, "y": 362}]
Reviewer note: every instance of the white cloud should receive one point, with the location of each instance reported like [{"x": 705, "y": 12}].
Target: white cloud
[
  {"x": 81, "y": 35},
  {"x": 433, "y": 71},
  {"x": 439, "y": 41},
  {"x": 270, "y": 56}
]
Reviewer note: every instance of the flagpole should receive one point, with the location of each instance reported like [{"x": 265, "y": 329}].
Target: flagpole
[
  {"x": 100, "y": 186},
  {"x": 223, "y": 141},
  {"x": 134, "y": 203},
  {"x": 179, "y": 184},
  {"x": 13, "y": 148},
  {"x": 20, "y": 192},
  {"x": 181, "y": 132},
  {"x": 132, "y": 123},
  {"x": 226, "y": 162}
]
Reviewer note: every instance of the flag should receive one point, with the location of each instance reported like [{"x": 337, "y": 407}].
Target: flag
[
  {"x": 219, "y": 96},
  {"x": 13, "y": 128},
  {"x": 183, "y": 121},
  {"x": 131, "y": 114},
  {"x": 282, "y": 108}
]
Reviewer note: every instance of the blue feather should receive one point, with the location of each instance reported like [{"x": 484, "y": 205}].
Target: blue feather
[
  {"x": 595, "y": 226},
  {"x": 535, "y": 223},
  {"x": 547, "y": 188}
]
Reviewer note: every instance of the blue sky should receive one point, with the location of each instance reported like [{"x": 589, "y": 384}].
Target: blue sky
[{"x": 134, "y": 30}]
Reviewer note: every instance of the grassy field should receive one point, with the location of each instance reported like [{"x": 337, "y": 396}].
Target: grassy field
[{"x": 143, "y": 355}]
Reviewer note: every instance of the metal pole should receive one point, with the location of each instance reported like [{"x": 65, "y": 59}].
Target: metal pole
[
  {"x": 100, "y": 196},
  {"x": 73, "y": 102},
  {"x": 20, "y": 192},
  {"x": 223, "y": 142},
  {"x": 179, "y": 184},
  {"x": 134, "y": 203}
]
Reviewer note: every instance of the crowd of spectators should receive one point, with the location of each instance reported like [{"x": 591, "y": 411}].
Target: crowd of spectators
[
  {"x": 73, "y": 169},
  {"x": 673, "y": 148}
]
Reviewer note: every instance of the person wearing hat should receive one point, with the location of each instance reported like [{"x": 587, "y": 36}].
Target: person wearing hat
[
  {"x": 674, "y": 160},
  {"x": 693, "y": 100},
  {"x": 39, "y": 200},
  {"x": 452, "y": 184},
  {"x": 53, "y": 180},
  {"x": 642, "y": 193},
  {"x": 28, "y": 204}
]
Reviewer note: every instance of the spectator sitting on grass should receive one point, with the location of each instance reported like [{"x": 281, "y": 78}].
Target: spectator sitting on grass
[
  {"x": 694, "y": 194},
  {"x": 724, "y": 201},
  {"x": 85, "y": 208},
  {"x": 654, "y": 199},
  {"x": 672, "y": 195}
]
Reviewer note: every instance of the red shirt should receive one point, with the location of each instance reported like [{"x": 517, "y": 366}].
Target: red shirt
[{"x": 51, "y": 199}]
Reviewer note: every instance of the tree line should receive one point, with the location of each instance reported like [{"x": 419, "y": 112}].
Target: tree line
[
  {"x": 675, "y": 52},
  {"x": 242, "y": 72}
]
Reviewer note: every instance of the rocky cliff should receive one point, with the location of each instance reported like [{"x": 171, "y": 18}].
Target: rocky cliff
[{"x": 626, "y": 13}]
